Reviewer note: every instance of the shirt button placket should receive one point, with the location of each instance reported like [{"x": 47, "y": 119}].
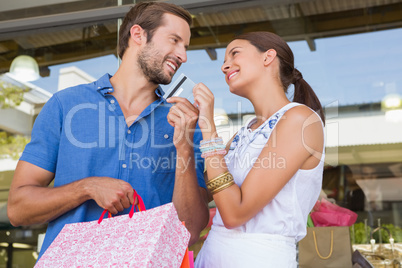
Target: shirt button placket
[
  {"x": 129, "y": 139},
  {"x": 112, "y": 106}
]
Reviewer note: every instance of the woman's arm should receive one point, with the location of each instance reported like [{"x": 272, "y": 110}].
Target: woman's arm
[
  {"x": 296, "y": 143},
  {"x": 284, "y": 154}
]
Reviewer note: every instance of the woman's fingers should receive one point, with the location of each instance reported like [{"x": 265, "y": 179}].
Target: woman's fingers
[
  {"x": 200, "y": 87},
  {"x": 185, "y": 105},
  {"x": 183, "y": 109}
]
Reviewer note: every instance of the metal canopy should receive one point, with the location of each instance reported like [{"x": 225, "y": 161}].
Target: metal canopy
[{"x": 76, "y": 30}]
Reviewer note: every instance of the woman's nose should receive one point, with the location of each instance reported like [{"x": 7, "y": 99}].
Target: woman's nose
[{"x": 225, "y": 67}]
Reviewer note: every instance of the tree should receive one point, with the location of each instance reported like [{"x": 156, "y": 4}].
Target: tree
[{"x": 11, "y": 96}]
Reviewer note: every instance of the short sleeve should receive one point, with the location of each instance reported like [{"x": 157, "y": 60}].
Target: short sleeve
[
  {"x": 199, "y": 161},
  {"x": 42, "y": 150}
]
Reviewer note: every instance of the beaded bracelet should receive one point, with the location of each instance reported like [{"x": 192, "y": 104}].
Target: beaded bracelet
[
  {"x": 217, "y": 140},
  {"x": 220, "y": 183},
  {"x": 213, "y": 152},
  {"x": 212, "y": 148}
]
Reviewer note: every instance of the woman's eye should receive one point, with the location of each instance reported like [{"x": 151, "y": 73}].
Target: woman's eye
[{"x": 234, "y": 53}]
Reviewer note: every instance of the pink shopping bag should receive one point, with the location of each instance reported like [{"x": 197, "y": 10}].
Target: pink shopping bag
[
  {"x": 152, "y": 238},
  {"x": 327, "y": 214}
]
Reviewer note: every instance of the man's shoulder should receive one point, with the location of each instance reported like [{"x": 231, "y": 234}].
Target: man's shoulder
[
  {"x": 84, "y": 93},
  {"x": 85, "y": 90},
  {"x": 76, "y": 90}
]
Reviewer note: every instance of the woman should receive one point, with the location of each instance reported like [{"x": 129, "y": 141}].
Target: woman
[{"x": 270, "y": 178}]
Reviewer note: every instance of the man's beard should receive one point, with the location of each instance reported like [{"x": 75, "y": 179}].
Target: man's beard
[{"x": 152, "y": 68}]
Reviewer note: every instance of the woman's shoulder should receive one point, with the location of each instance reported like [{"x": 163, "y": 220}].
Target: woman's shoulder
[
  {"x": 301, "y": 121},
  {"x": 301, "y": 114}
]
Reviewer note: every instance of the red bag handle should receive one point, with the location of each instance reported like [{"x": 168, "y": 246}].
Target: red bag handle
[{"x": 140, "y": 207}]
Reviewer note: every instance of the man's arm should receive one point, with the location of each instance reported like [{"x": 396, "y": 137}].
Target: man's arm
[
  {"x": 190, "y": 200},
  {"x": 31, "y": 201}
]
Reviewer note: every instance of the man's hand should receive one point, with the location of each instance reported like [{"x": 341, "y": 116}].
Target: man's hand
[
  {"x": 31, "y": 201},
  {"x": 188, "y": 198},
  {"x": 183, "y": 116},
  {"x": 111, "y": 194}
]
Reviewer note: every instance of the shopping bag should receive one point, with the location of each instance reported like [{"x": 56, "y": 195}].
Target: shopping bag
[
  {"x": 188, "y": 260},
  {"x": 327, "y": 214},
  {"x": 151, "y": 238},
  {"x": 191, "y": 258},
  {"x": 326, "y": 247}
]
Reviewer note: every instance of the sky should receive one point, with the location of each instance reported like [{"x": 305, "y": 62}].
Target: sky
[{"x": 345, "y": 70}]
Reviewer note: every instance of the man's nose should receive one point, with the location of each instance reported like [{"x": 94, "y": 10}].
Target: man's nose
[{"x": 181, "y": 54}]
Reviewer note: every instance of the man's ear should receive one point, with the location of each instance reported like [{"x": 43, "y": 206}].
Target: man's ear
[
  {"x": 137, "y": 34},
  {"x": 269, "y": 56}
]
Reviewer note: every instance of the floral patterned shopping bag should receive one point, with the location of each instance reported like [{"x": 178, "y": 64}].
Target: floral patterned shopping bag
[{"x": 151, "y": 238}]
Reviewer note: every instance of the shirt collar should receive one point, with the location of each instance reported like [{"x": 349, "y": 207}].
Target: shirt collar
[
  {"x": 104, "y": 86},
  {"x": 159, "y": 91}
]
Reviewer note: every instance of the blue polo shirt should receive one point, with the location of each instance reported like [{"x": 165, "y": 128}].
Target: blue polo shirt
[{"x": 81, "y": 132}]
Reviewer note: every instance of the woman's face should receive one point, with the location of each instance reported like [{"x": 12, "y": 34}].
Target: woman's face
[{"x": 242, "y": 66}]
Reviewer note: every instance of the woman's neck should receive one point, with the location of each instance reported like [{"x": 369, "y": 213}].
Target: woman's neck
[{"x": 267, "y": 103}]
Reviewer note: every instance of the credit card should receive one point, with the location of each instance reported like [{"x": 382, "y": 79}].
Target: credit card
[{"x": 181, "y": 87}]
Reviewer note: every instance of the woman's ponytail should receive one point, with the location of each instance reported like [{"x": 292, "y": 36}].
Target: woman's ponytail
[{"x": 304, "y": 94}]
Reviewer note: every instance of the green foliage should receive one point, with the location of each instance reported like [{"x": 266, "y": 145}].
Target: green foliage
[
  {"x": 12, "y": 145},
  {"x": 395, "y": 231},
  {"x": 310, "y": 222},
  {"x": 363, "y": 237},
  {"x": 360, "y": 234},
  {"x": 11, "y": 95}
]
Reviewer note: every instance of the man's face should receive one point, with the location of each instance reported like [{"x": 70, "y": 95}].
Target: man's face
[{"x": 162, "y": 56}]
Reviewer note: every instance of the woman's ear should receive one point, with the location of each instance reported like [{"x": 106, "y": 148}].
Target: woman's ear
[
  {"x": 137, "y": 34},
  {"x": 269, "y": 56}
]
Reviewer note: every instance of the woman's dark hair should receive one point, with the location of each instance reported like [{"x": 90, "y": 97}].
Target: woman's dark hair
[
  {"x": 149, "y": 15},
  {"x": 304, "y": 94}
]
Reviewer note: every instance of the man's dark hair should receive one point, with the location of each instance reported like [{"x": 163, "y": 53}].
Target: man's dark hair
[{"x": 148, "y": 15}]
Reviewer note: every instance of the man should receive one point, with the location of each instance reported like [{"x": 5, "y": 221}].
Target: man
[{"x": 101, "y": 140}]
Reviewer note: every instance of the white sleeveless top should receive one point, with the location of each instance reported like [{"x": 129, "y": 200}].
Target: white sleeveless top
[{"x": 287, "y": 213}]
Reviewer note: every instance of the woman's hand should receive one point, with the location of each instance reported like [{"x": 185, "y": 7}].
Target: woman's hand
[{"x": 204, "y": 100}]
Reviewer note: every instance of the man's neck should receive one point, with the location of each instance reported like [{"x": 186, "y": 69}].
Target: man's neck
[
  {"x": 130, "y": 84},
  {"x": 132, "y": 91}
]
